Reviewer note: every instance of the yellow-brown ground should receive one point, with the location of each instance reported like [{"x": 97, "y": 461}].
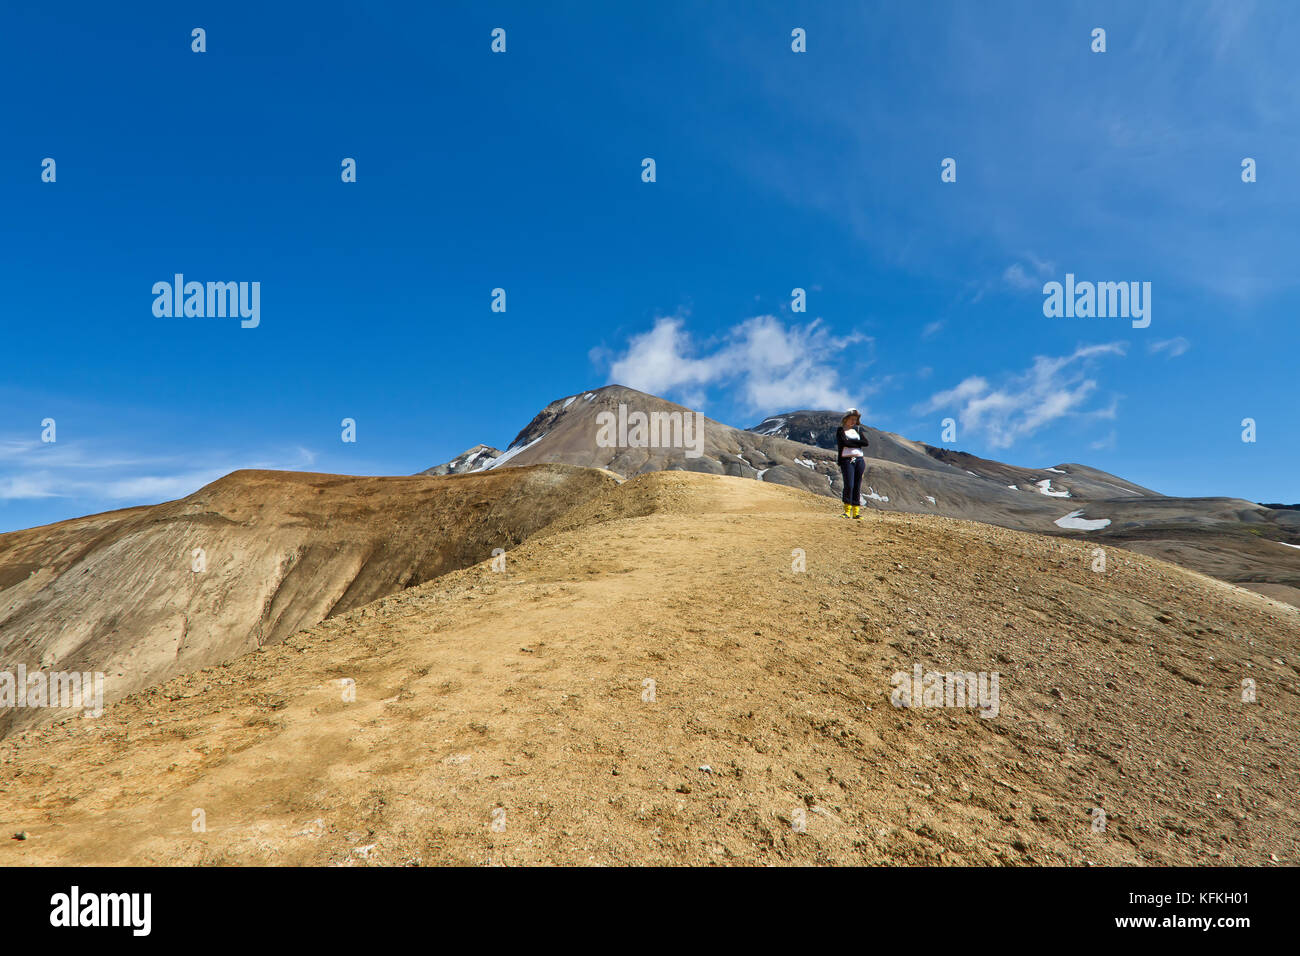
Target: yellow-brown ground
[{"x": 499, "y": 715}]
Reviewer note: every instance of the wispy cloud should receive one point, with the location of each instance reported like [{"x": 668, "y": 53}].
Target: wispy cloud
[
  {"x": 1104, "y": 444},
  {"x": 34, "y": 470},
  {"x": 1024, "y": 403},
  {"x": 1016, "y": 277},
  {"x": 1172, "y": 347},
  {"x": 1210, "y": 75},
  {"x": 770, "y": 366},
  {"x": 1029, "y": 275}
]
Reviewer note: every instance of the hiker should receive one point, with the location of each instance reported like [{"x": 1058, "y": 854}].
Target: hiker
[{"x": 850, "y": 441}]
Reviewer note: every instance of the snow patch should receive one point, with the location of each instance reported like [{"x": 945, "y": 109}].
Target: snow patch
[
  {"x": 805, "y": 462},
  {"x": 761, "y": 473},
  {"x": 471, "y": 461},
  {"x": 1045, "y": 486},
  {"x": 1075, "y": 521},
  {"x": 871, "y": 493},
  {"x": 1285, "y": 545},
  {"x": 1055, "y": 471},
  {"x": 568, "y": 402},
  {"x": 506, "y": 456},
  {"x": 930, "y": 499}
]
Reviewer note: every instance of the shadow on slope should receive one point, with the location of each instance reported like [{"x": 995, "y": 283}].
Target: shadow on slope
[{"x": 118, "y": 593}]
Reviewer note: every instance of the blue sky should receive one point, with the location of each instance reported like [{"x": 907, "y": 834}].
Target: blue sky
[{"x": 522, "y": 170}]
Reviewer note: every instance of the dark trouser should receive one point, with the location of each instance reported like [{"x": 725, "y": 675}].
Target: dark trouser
[{"x": 851, "y": 469}]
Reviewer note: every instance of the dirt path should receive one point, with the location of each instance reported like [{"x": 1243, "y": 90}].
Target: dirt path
[{"x": 503, "y": 717}]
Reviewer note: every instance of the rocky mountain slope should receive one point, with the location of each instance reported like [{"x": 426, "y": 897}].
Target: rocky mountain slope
[
  {"x": 1079, "y": 481},
  {"x": 1237, "y": 540},
  {"x": 471, "y": 459},
  {"x": 690, "y": 669},
  {"x": 119, "y": 593}
]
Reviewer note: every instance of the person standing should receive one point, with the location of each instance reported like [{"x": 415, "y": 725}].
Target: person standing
[{"x": 850, "y": 441}]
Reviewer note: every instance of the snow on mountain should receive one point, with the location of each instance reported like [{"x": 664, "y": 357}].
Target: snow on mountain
[
  {"x": 473, "y": 459},
  {"x": 1045, "y": 486},
  {"x": 1075, "y": 520},
  {"x": 514, "y": 450},
  {"x": 798, "y": 449}
]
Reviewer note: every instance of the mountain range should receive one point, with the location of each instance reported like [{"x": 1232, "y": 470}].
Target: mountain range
[
  {"x": 580, "y": 650},
  {"x": 679, "y": 668},
  {"x": 1253, "y": 545},
  {"x": 118, "y": 592}
]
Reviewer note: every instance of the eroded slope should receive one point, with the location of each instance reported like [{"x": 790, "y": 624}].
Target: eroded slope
[
  {"x": 520, "y": 699},
  {"x": 280, "y": 551}
]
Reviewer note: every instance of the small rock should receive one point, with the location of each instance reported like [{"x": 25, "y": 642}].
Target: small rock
[{"x": 20, "y": 835}]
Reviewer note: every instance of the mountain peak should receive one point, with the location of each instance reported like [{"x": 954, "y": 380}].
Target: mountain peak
[{"x": 629, "y": 432}]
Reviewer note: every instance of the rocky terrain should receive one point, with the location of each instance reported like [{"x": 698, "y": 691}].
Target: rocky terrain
[
  {"x": 471, "y": 459},
  {"x": 580, "y": 651},
  {"x": 1254, "y": 545},
  {"x": 693, "y": 669},
  {"x": 145, "y": 594}
]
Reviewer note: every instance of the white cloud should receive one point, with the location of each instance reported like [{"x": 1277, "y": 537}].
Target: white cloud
[
  {"x": 80, "y": 471},
  {"x": 771, "y": 366},
  {"x": 39, "y": 485},
  {"x": 1030, "y": 278},
  {"x": 658, "y": 361},
  {"x": 1016, "y": 277},
  {"x": 47, "y": 483},
  {"x": 1051, "y": 389},
  {"x": 1042, "y": 267},
  {"x": 1175, "y": 346},
  {"x": 14, "y": 450},
  {"x": 160, "y": 487},
  {"x": 1104, "y": 444}
]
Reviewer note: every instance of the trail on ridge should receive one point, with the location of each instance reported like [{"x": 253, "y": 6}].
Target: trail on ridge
[{"x": 500, "y": 716}]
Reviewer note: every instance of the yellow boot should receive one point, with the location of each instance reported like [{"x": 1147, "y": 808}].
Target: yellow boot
[
  {"x": 857, "y": 512},
  {"x": 847, "y": 513}
]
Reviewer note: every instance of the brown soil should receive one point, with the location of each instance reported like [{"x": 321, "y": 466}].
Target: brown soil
[
  {"x": 515, "y": 698},
  {"x": 117, "y": 593}
]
